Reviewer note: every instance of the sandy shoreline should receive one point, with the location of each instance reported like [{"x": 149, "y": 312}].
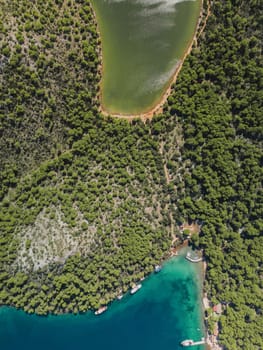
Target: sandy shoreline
[{"x": 157, "y": 108}]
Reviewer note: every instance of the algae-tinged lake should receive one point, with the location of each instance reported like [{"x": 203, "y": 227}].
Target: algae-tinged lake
[
  {"x": 166, "y": 310},
  {"x": 142, "y": 42}
]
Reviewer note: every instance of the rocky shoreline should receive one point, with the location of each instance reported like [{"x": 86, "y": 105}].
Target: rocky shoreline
[{"x": 211, "y": 339}]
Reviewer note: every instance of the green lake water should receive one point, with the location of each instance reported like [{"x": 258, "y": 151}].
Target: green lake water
[
  {"x": 166, "y": 310},
  {"x": 142, "y": 41}
]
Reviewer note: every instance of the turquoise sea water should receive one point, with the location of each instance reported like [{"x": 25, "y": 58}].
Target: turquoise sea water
[{"x": 165, "y": 311}]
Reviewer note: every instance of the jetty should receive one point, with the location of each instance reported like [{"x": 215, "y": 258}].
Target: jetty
[
  {"x": 193, "y": 258},
  {"x": 190, "y": 342}
]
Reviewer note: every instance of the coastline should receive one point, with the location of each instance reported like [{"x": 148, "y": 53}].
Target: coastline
[
  {"x": 211, "y": 339},
  {"x": 157, "y": 108},
  {"x": 201, "y": 267},
  {"x": 198, "y": 280},
  {"x": 154, "y": 318}
]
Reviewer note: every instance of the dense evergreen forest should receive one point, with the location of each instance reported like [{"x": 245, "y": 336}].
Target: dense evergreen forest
[{"x": 89, "y": 204}]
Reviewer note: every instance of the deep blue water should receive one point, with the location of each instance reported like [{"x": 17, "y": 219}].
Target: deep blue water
[{"x": 165, "y": 311}]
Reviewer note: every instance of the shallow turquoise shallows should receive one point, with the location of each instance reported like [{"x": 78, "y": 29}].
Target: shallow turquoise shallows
[
  {"x": 142, "y": 42},
  {"x": 166, "y": 310}
]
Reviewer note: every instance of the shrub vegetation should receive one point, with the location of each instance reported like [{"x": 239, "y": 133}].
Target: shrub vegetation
[{"x": 201, "y": 159}]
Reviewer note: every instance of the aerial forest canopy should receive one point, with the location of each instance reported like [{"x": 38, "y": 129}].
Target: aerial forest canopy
[{"x": 89, "y": 204}]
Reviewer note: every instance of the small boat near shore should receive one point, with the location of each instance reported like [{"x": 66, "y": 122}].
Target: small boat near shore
[
  {"x": 187, "y": 342},
  {"x": 191, "y": 342},
  {"x": 135, "y": 289},
  {"x": 101, "y": 310},
  {"x": 157, "y": 268},
  {"x": 120, "y": 296}
]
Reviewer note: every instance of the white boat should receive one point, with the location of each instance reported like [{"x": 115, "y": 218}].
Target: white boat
[
  {"x": 136, "y": 288},
  {"x": 157, "y": 268},
  {"x": 190, "y": 342},
  {"x": 101, "y": 310},
  {"x": 120, "y": 296},
  {"x": 187, "y": 342}
]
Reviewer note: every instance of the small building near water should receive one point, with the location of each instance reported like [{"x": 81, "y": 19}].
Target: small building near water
[{"x": 217, "y": 309}]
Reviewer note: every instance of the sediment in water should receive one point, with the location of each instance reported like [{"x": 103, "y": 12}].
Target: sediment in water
[{"x": 144, "y": 110}]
